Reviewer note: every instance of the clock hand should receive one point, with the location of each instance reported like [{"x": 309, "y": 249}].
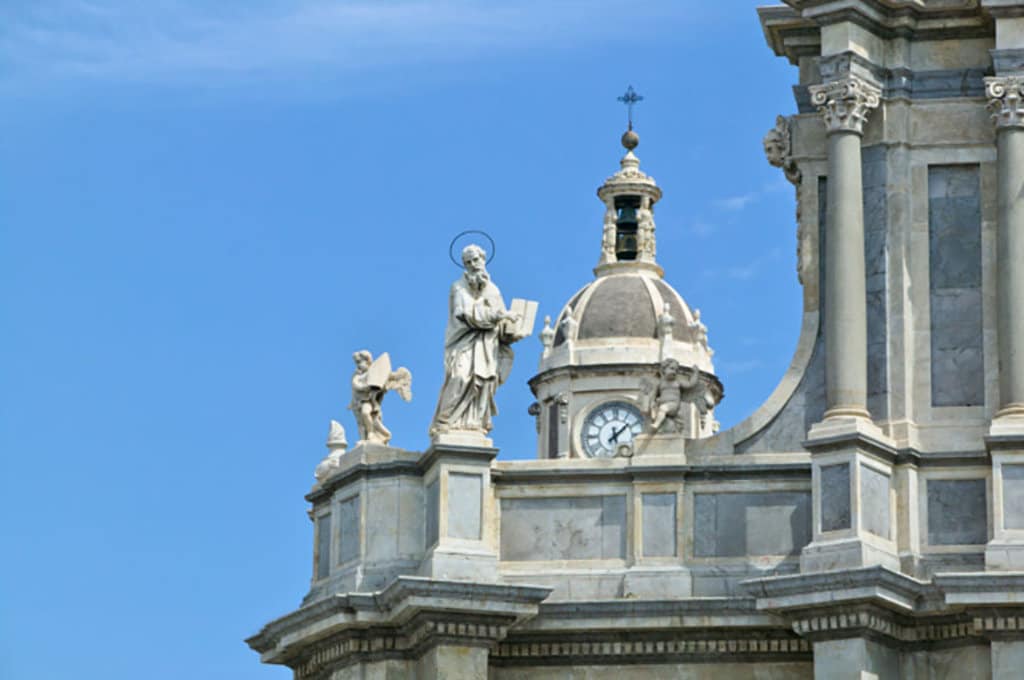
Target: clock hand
[{"x": 615, "y": 435}]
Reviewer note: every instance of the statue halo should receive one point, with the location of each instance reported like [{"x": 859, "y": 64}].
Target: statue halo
[{"x": 458, "y": 260}]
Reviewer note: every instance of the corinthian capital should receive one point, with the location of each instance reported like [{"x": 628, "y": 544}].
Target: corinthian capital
[
  {"x": 845, "y": 103},
  {"x": 1006, "y": 100}
]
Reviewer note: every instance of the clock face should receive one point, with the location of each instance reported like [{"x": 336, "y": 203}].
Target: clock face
[{"x": 610, "y": 426}]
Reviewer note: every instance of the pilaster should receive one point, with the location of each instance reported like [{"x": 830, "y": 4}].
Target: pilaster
[
  {"x": 853, "y": 497},
  {"x": 460, "y": 534}
]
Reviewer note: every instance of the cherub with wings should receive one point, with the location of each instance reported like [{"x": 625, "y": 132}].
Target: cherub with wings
[
  {"x": 371, "y": 381},
  {"x": 665, "y": 399}
]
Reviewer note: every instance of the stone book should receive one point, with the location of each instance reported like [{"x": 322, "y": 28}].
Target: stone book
[{"x": 526, "y": 310}]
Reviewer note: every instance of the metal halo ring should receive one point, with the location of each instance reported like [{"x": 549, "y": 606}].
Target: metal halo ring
[{"x": 451, "y": 245}]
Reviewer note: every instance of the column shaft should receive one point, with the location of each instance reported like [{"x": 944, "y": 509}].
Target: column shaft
[
  {"x": 1010, "y": 287},
  {"x": 845, "y": 293}
]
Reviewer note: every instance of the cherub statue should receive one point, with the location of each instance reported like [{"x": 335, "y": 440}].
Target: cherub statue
[
  {"x": 371, "y": 381},
  {"x": 667, "y": 397}
]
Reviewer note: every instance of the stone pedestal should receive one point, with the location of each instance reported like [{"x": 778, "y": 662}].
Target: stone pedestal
[
  {"x": 1005, "y": 550},
  {"x": 652, "y": 446},
  {"x": 459, "y": 524},
  {"x": 854, "y": 507}
]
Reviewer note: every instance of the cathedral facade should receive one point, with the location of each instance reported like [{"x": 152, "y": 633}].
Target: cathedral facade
[{"x": 866, "y": 521}]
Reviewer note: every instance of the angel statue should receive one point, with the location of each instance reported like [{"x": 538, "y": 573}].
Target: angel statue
[
  {"x": 666, "y": 399},
  {"x": 371, "y": 381}
]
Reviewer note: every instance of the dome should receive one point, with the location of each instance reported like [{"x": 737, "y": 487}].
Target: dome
[{"x": 624, "y": 305}]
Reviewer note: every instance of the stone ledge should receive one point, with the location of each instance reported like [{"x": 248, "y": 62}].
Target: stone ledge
[
  {"x": 877, "y": 585},
  {"x": 986, "y": 589},
  {"x": 408, "y": 601}
]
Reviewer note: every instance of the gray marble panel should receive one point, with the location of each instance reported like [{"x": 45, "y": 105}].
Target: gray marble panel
[
  {"x": 956, "y": 348},
  {"x": 750, "y": 524},
  {"x": 566, "y": 528},
  {"x": 835, "y": 497},
  {"x": 874, "y": 501},
  {"x": 954, "y": 252},
  {"x": 348, "y": 530},
  {"x": 1013, "y": 496},
  {"x": 464, "y": 503},
  {"x": 323, "y": 546},
  {"x": 876, "y": 247},
  {"x": 433, "y": 509},
  {"x": 659, "y": 524},
  {"x": 957, "y": 512}
]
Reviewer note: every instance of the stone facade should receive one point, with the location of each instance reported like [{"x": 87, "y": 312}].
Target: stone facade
[{"x": 867, "y": 521}]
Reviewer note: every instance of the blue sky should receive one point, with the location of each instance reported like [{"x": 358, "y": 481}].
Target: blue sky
[{"x": 205, "y": 208}]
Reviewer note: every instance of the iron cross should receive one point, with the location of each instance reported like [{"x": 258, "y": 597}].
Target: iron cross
[{"x": 630, "y": 98}]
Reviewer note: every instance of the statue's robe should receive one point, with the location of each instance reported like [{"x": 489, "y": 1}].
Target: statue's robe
[{"x": 476, "y": 360}]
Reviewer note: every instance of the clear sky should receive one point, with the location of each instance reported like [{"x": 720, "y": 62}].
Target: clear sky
[{"x": 206, "y": 207}]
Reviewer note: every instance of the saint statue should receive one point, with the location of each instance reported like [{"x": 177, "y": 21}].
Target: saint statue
[{"x": 477, "y": 356}]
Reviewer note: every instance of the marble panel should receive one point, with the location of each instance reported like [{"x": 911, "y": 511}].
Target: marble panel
[
  {"x": 874, "y": 501},
  {"x": 433, "y": 498},
  {"x": 1013, "y": 496},
  {"x": 323, "y": 546},
  {"x": 876, "y": 246},
  {"x": 744, "y": 524},
  {"x": 382, "y": 520},
  {"x": 464, "y": 503},
  {"x": 348, "y": 530},
  {"x": 954, "y": 256},
  {"x": 659, "y": 524},
  {"x": 835, "y": 497},
  {"x": 563, "y": 528},
  {"x": 957, "y": 512}
]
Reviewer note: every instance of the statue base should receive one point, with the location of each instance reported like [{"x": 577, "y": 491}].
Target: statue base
[
  {"x": 462, "y": 438},
  {"x": 669, "y": 444}
]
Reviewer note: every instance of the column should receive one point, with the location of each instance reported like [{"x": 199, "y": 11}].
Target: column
[
  {"x": 1005, "y": 551},
  {"x": 845, "y": 105},
  {"x": 1006, "y": 102}
]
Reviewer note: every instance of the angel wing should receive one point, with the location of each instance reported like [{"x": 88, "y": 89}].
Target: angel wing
[
  {"x": 648, "y": 390},
  {"x": 400, "y": 380}
]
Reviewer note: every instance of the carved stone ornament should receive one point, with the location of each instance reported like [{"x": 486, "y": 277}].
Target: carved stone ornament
[
  {"x": 1006, "y": 100},
  {"x": 645, "y": 234},
  {"x": 547, "y": 336},
  {"x": 535, "y": 411},
  {"x": 845, "y": 104},
  {"x": 665, "y": 402},
  {"x": 608, "y": 236},
  {"x": 373, "y": 378},
  {"x": 778, "y": 149},
  {"x": 336, "y": 444}
]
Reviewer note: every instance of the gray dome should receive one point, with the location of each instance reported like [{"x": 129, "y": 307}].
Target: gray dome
[{"x": 625, "y": 305}]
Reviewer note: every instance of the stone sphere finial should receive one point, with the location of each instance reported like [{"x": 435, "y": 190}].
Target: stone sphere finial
[{"x": 630, "y": 139}]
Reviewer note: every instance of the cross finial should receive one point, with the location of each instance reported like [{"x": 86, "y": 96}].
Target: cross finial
[{"x": 630, "y": 98}]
